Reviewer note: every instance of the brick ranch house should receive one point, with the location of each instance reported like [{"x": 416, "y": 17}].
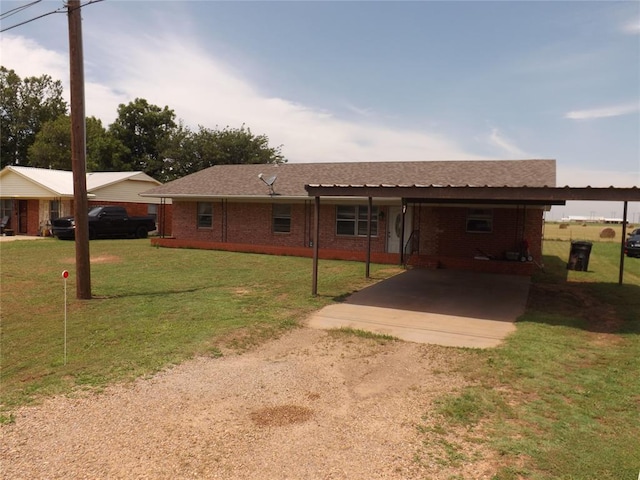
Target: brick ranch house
[
  {"x": 31, "y": 197},
  {"x": 271, "y": 209}
]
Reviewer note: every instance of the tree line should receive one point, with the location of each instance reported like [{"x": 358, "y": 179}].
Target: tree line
[{"x": 35, "y": 130}]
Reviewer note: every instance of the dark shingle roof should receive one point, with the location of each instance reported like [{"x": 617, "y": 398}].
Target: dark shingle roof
[{"x": 243, "y": 181}]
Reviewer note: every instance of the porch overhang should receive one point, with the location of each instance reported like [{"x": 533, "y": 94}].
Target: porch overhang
[
  {"x": 510, "y": 195},
  {"x": 460, "y": 194}
]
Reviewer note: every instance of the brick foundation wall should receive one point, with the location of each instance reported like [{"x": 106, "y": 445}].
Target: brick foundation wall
[
  {"x": 472, "y": 264},
  {"x": 425, "y": 261}
]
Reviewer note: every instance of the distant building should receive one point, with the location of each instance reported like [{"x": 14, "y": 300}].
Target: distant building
[{"x": 31, "y": 197}]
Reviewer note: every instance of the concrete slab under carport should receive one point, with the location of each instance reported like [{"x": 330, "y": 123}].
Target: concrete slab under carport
[{"x": 442, "y": 307}]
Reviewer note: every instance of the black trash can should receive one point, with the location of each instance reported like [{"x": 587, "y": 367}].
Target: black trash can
[{"x": 579, "y": 256}]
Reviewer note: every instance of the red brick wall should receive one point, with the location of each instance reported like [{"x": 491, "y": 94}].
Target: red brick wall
[
  {"x": 251, "y": 224},
  {"x": 33, "y": 222},
  {"x": 443, "y": 232},
  {"x": 443, "y": 239},
  {"x": 165, "y": 219}
]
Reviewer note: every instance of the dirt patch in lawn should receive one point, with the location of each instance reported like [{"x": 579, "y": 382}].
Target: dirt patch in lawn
[
  {"x": 308, "y": 405},
  {"x": 96, "y": 259}
]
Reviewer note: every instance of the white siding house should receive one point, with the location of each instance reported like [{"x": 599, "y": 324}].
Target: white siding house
[{"x": 30, "y": 197}]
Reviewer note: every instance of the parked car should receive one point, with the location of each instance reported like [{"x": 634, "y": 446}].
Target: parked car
[
  {"x": 632, "y": 247},
  {"x": 107, "y": 221}
]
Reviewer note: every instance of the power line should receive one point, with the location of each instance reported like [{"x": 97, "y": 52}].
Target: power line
[
  {"x": 13, "y": 11},
  {"x": 59, "y": 10}
]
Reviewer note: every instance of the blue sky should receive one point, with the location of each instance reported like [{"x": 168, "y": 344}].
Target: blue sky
[{"x": 358, "y": 81}]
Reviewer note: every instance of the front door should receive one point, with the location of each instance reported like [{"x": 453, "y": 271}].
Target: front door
[{"x": 394, "y": 228}]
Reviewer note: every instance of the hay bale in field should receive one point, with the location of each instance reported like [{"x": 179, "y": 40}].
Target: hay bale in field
[
  {"x": 564, "y": 226},
  {"x": 607, "y": 233}
]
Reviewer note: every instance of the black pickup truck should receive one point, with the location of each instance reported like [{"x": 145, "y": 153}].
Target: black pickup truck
[{"x": 106, "y": 221}]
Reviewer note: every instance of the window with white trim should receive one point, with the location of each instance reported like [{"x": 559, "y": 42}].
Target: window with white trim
[
  {"x": 351, "y": 220},
  {"x": 54, "y": 209},
  {"x": 480, "y": 220},
  {"x": 152, "y": 210},
  {"x": 6, "y": 208}
]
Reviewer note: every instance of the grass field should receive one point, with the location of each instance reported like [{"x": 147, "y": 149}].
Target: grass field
[
  {"x": 583, "y": 231},
  {"x": 560, "y": 399}
]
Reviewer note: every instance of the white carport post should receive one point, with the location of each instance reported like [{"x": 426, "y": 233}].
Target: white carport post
[{"x": 404, "y": 211}]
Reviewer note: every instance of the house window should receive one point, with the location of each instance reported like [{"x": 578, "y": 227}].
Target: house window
[
  {"x": 54, "y": 209},
  {"x": 352, "y": 220},
  {"x": 281, "y": 218},
  {"x": 6, "y": 208},
  {"x": 205, "y": 215},
  {"x": 152, "y": 210},
  {"x": 480, "y": 220}
]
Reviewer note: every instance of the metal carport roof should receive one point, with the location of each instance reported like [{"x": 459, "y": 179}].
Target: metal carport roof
[{"x": 518, "y": 195}]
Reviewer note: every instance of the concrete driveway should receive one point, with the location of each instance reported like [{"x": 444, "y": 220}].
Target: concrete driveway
[{"x": 443, "y": 307}]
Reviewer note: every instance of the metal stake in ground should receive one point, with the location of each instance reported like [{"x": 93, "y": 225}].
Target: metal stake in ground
[{"x": 65, "y": 275}]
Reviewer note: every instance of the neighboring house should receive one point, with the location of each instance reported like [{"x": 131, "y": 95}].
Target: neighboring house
[
  {"x": 32, "y": 197},
  {"x": 267, "y": 209}
]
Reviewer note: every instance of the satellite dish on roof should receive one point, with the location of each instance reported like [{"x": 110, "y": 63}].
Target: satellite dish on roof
[{"x": 268, "y": 181}]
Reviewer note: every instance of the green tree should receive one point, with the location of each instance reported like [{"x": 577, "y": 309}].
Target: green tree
[
  {"x": 145, "y": 130},
  {"x": 190, "y": 152},
  {"x": 25, "y": 105},
  {"x": 105, "y": 153},
  {"x": 52, "y": 147}
]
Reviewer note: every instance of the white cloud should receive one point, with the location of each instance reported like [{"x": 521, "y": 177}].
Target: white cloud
[
  {"x": 632, "y": 28},
  {"x": 29, "y": 59},
  {"x": 178, "y": 72},
  {"x": 604, "y": 112},
  {"x": 498, "y": 139}
]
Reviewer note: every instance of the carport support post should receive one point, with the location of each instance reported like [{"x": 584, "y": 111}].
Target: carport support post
[
  {"x": 316, "y": 240},
  {"x": 623, "y": 240},
  {"x": 404, "y": 210},
  {"x": 369, "y": 209}
]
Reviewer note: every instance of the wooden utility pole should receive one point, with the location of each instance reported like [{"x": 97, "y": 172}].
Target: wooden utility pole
[{"x": 78, "y": 151}]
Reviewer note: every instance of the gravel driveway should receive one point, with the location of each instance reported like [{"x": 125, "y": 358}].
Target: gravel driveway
[{"x": 310, "y": 405}]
